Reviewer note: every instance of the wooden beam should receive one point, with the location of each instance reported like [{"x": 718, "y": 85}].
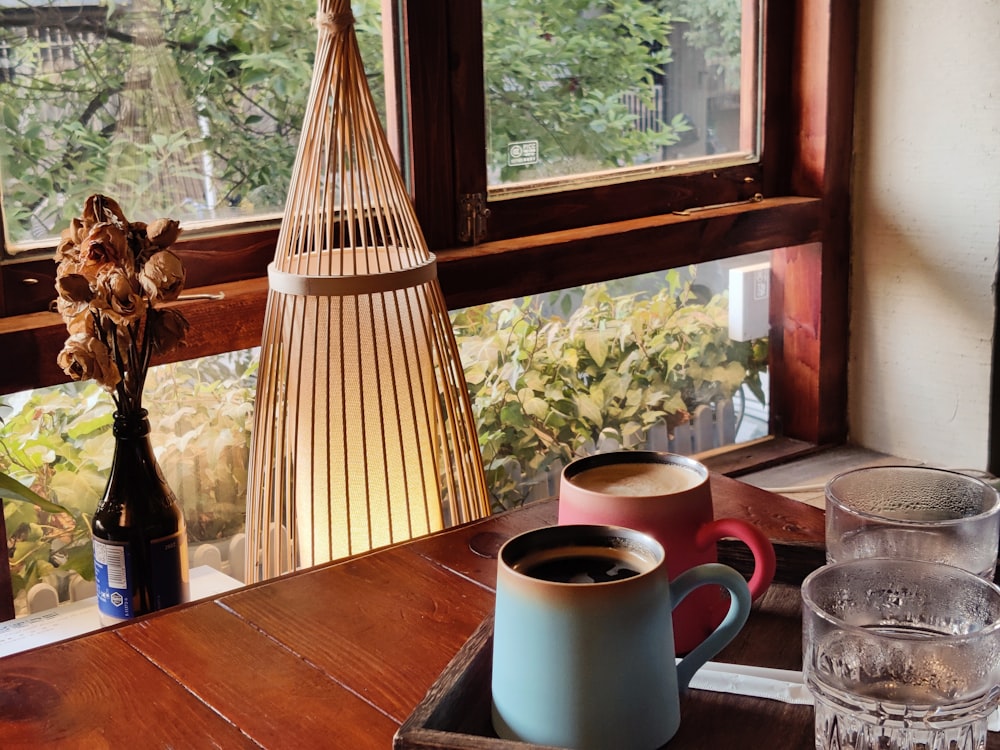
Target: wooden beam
[
  {"x": 810, "y": 294},
  {"x": 32, "y": 342},
  {"x": 559, "y": 260},
  {"x": 469, "y": 276}
]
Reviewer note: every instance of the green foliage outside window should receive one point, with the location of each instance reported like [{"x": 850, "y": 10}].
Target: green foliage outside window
[
  {"x": 547, "y": 388},
  {"x": 557, "y": 73},
  {"x": 189, "y": 109},
  {"x": 192, "y": 108},
  {"x": 59, "y": 445},
  {"x": 549, "y": 378},
  {"x": 574, "y": 75}
]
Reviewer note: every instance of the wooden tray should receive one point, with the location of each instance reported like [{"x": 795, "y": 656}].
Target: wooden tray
[{"x": 455, "y": 714}]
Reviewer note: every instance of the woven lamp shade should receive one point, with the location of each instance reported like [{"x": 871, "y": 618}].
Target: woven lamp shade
[{"x": 363, "y": 430}]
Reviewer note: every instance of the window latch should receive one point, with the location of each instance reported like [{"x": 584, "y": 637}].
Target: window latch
[{"x": 473, "y": 214}]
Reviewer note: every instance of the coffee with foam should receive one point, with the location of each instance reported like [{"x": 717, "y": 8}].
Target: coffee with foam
[{"x": 637, "y": 479}]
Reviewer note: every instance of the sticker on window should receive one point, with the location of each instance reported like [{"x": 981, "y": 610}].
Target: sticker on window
[{"x": 522, "y": 153}]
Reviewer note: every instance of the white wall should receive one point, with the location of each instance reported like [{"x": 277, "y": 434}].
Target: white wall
[{"x": 926, "y": 214}]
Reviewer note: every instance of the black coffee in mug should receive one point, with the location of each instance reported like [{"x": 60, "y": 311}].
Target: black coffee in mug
[{"x": 578, "y": 564}]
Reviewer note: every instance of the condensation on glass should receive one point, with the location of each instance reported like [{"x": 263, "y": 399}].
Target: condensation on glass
[{"x": 608, "y": 92}]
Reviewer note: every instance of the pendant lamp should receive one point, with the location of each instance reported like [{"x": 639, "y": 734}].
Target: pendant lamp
[{"x": 363, "y": 432}]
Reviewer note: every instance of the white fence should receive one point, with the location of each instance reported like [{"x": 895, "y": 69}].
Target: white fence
[
  {"x": 710, "y": 427},
  {"x": 226, "y": 557}
]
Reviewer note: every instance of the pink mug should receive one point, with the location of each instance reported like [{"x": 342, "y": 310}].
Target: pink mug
[{"x": 668, "y": 497}]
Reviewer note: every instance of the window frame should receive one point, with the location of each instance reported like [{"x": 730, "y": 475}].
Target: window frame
[{"x": 804, "y": 176}]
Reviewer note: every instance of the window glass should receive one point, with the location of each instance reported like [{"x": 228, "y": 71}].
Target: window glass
[
  {"x": 580, "y": 87},
  {"x": 181, "y": 108},
  {"x": 58, "y": 441},
  {"x": 672, "y": 360}
]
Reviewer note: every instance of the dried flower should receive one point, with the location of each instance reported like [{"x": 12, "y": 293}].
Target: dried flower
[
  {"x": 85, "y": 356},
  {"x": 110, "y": 275},
  {"x": 162, "y": 277},
  {"x": 163, "y": 232},
  {"x": 74, "y": 287},
  {"x": 167, "y": 329},
  {"x": 105, "y": 244}
]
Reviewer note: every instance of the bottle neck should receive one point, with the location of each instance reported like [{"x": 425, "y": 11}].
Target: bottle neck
[{"x": 131, "y": 426}]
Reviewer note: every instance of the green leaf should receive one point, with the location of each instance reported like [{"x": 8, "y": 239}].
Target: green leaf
[
  {"x": 80, "y": 559},
  {"x": 78, "y": 489},
  {"x": 589, "y": 410},
  {"x": 11, "y": 489},
  {"x": 597, "y": 347},
  {"x": 537, "y": 407}
]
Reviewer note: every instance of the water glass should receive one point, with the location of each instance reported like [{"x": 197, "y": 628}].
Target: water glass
[
  {"x": 913, "y": 512},
  {"x": 901, "y": 654}
]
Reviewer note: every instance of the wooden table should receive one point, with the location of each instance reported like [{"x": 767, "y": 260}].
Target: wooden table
[{"x": 339, "y": 656}]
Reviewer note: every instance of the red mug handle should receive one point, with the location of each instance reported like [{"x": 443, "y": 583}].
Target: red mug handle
[{"x": 760, "y": 546}]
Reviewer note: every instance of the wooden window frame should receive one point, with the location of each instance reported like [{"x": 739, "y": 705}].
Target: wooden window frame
[{"x": 804, "y": 217}]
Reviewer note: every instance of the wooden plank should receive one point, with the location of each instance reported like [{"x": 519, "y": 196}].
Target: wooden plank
[
  {"x": 429, "y": 106},
  {"x": 780, "y": 518},
  {"x": 29, "y": 285},
  {"x": 468, "y": 276},
  {"x": 33, "y": 341},
  {"x": 274, "y": 696},
  {"x": 622, "y": 201},
  {"x": 98, "y": 692},
  {"x": 810, "y": 281},
  {"x": 737, "y": 460},
  {"x": 383, "y": 625}
]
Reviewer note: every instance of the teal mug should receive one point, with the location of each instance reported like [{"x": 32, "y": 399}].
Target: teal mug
[{"x": 583, "y": 648}]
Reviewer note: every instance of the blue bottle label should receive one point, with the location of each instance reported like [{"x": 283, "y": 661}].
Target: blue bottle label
[{"x": 116, "y": 578}]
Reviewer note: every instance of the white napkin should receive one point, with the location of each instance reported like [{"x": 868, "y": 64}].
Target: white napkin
[{"x": 784, "y": 685}]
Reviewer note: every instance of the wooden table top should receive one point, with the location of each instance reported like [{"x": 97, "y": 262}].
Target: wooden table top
[{"x": 339, "y": 656}]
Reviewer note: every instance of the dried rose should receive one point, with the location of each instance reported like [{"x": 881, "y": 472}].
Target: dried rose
[
  {"x": 77, "y": 230},
  {"x": 119, "y": 297},
  {"x": 105, "y": 244},
  {"x": 162, "y": 277},
  {"x": 167, "y": 329},
  {"x": 84, "y": 357},
  {"x": 100, "y": 209},
  {"x": 74, "y": 287},
  {"x": 163, "y": 232},
  {"x": 110, "y": 273},
  {"x": 71, "y": 311},
  {"x": 67, "y": 251},
  {"x": 79, "y": 320}
]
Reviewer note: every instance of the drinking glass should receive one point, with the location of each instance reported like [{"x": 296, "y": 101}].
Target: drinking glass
[
  {"x": 901, "y": 654},
  {"x": 913, "y": 512}
]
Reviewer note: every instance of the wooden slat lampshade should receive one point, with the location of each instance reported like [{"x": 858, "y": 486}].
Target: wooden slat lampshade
[{"x": 363, "y": 431}]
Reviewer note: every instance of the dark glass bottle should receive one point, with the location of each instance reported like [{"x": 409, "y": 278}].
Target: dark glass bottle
[{"x": 140, "y": 538}]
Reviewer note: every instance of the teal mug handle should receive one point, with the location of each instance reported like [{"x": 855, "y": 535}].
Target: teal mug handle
[{"x": 732, "y": 623}]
